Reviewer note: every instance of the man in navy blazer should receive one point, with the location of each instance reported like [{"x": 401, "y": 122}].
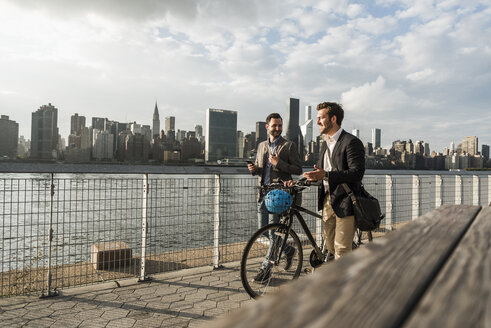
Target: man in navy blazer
[{"x": 341, "y": 160}]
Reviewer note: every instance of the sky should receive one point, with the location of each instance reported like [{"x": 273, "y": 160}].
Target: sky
[{"x": 416, "y": 69}]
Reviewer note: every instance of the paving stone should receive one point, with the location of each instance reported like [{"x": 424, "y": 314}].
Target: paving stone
[
  {"x": 114, "y": 313},
  {"x": 139, "y": 314},
  {"x": 64, "y": 312},
  {"x": 62, "y": 305},
  {"x": 176, "y": 322},
  {"x": 144, "y": 291},
  {"x": 241, "y": 296},
  {"x": 14, "y": 313},
  {"x": 186, "y": 290},
  {"x": 14, "y": 322},
  {"x": 106, "y": 297},
  {"x": 149, "y": 323},
  {"x": 247, "y": 302},
  {"x": 38, "y": 323},
  {"x": 171, "y": 302},
  {"x": 84, "y": 306},
  {"x": 94, "y": 313},
  {"x": 37, "y": 314},
  {"x": 94, "y": 323},
  {"x": 219, "y": 297},
  {"x": 214, "y": 312},
  {"x": 162, "y": 290},
  {"x": 208, "y": 279},
  {"x": 121, "y": 323},
  {"x": 181, "y": 305},
  {"x": 66, "y": 322},
  {"x": 137, "y": 305},
  {"x": 227, "y": 305}
]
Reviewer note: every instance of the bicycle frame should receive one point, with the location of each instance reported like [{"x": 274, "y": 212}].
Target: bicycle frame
[{"x": 295, "y": 210}]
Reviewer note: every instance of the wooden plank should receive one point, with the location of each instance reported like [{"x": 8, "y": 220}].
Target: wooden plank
[
  {"x": 376, "y": 286},
  {"x": 461, "y": 294}
]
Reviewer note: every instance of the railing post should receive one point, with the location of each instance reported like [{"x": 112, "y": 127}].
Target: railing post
[
  {"x": 143, "y": 271},
  {"x": 458, "y": 190},
  {"x": 216, "y": 224},
  {"x": 318, "y": 229},
  {"x": 476, "y": 195},
  {"x": 438, "y": 191},
  {"x": 416, "y": 198},
  {"x": 50, "y": 239},
  {"x": 489, "y": 190},
  {"x": 388, "y": 202}
]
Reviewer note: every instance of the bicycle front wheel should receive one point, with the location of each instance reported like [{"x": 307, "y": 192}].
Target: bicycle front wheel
[{"x": 263, "y": 269}]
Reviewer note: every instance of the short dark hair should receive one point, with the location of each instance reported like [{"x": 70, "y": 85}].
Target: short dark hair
[
  {"x": 333, "y": 109},
  {"x": 273, "y": 115}
]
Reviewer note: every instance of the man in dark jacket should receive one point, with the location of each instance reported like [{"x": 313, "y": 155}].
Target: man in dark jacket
[
  {"x": 342, "y": 160},
  {"x": 276, "y": 158}
]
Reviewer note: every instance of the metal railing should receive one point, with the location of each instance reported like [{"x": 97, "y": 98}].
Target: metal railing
[{"x": 63, "y": 230}]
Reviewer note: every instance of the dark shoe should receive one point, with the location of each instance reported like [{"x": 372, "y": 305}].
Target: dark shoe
[
  {"x": 263, "y": 275},
  {"x": 289, "y": 258}
]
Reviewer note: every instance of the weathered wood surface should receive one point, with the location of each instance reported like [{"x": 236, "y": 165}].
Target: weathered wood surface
[
  {"x": 461, "y": 294},
  {"x": 376, "y": 286}
]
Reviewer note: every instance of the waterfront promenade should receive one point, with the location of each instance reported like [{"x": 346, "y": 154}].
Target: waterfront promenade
[{"x": 187, "y": 298}]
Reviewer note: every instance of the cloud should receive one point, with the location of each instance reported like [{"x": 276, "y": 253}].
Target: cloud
[
  {"x": 118, "y": 56},
  {"x": 373, "y": 97},
  {"x": 417, "y": 76}
]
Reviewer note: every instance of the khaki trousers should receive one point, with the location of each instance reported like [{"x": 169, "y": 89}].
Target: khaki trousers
[{"x": 337, "y": 232}]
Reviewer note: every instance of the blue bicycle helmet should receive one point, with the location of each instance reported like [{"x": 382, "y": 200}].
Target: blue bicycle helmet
[{"x": 277, "y": 201}]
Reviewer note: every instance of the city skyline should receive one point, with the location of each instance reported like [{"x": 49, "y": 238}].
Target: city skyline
[
  {"x": 367, "y": 136},
  {"x": 414, "y": 69}
]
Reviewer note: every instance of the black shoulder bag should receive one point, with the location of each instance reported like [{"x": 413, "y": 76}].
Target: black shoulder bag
[{"x": 366, "y": 207}]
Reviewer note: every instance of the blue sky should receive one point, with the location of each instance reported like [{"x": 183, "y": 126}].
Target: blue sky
[{"x": 417, "y": 69}]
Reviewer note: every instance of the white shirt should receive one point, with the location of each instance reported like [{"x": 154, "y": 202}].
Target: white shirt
[{"x": 331, "y": 142}]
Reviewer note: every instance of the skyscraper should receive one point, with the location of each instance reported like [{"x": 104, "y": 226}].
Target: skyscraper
[
  {"x": 307, "y": 128},
  {"x": 261, "y": 133},
  {"x": 485, "y": 152},
  {"x": 470, "y": 145},
  {"x": 9, "y": 136},
  {"x": 44, "y": 132},
  {"x": 308, "y": 113},
  {"x": 376, "y": 138},
  {"x": 155, "y": 122},
  {"x": 221, "y": 134},
  {"x": 77, "y": 123},
  {"x": 293, "y": 132},
  {"x": 198, "y": 130},
  {"x": 170, "y": 124},
  {"x": 356, "y": 133},
  {"x": 98, "y": 123}
]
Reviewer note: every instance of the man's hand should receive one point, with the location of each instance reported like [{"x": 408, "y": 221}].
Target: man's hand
[
  {"x": 273, "y": 159},
  {"x": 289, "y": 183},
  {"x": 317, "y": 174},
  {"x": 252, "y": 168}
]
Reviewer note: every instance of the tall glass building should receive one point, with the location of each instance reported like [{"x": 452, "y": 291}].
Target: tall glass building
[
  {"x": 221, "y": 134},
  {"x": 376, "y": 138},
  {"x": 44, "y": 132}
]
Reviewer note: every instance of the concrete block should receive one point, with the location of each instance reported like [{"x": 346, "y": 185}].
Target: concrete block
[{"x": 113, "y": 255}]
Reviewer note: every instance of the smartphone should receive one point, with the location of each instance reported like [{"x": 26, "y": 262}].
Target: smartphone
[{"x": 249, "y": 162}]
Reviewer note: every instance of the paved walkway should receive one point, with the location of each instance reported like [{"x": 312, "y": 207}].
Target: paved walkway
[{"x": 187, "y": 298}]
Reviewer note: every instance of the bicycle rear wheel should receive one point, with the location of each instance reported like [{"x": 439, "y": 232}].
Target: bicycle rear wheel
[{"x": 255, "y": 253}]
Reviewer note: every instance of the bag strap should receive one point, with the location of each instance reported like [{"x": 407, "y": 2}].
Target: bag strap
[{"x": 349, "y": 192}]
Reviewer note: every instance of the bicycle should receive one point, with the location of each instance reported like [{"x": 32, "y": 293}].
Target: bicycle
[{"x": 267, "y": 245}]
